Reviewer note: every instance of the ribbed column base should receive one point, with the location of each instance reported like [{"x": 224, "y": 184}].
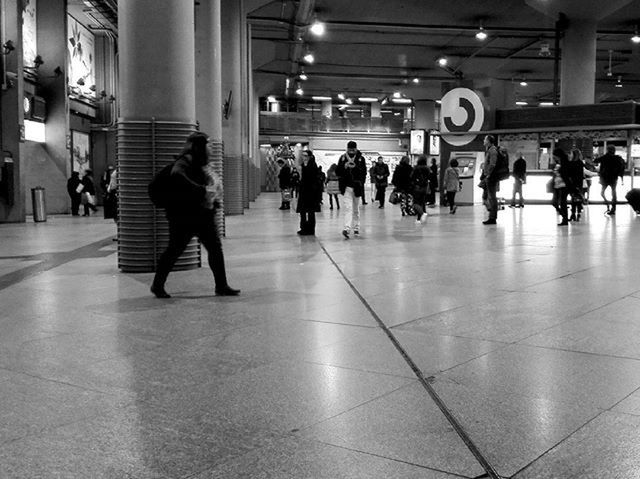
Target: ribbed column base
[
  {"x": 144, "y": 148},
  {"x": 233, "y": 185}
]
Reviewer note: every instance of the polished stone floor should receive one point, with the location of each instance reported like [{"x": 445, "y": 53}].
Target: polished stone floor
[{"x": 444, "y": 350}]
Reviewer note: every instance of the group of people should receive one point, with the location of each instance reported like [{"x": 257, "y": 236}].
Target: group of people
[
  {"x": 570, "y": 176},
  {"x": 82, "y": 191},
  {"x": 571, "y": 179}
]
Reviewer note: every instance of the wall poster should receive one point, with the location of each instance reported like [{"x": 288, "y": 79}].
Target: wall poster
[
  {"x": 80, "y": 151},
  {"x": 29, "y": 33},
  {"x": 80, "y": 45}
]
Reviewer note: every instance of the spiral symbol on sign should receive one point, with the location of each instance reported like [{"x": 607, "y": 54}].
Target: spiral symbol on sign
[{"x": 461, "y": 110}]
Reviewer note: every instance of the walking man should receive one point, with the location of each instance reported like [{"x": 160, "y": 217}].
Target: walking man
[
  {"x": 611, "y": 167},
  {"x": 352, "y": 172}
]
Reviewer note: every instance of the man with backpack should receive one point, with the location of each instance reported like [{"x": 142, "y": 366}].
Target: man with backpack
[
  {"x": 351, "y": 171},
  {"x": 611, "y": 167}
]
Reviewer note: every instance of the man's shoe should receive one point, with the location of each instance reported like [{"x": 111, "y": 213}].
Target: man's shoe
[
  {"x": 453, "y": 211},
  {"x": 356, "y": 232},
  {"x": 611, "y": 212},
  {"x": 345, "y": 233},
  {"x": 159, "y": 292},
  {"x": 489, "y": 222},
  {"x": 227, "y": 291}
]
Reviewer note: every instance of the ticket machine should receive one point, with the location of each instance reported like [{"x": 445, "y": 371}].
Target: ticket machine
[{"x": 469, "y": 164}]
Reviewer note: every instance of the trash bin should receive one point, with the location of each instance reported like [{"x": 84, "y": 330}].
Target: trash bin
[{"x": 39, "y": 204}]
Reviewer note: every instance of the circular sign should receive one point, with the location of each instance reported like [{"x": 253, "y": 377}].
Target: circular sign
[{"x": 461, "y": 111}]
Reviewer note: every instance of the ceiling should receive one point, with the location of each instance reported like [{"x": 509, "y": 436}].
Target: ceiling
[{"x": 377, "y": 47}]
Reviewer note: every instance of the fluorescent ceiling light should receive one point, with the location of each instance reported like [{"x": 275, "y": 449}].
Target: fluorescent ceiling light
[
  {"x": 321, "y": 98},
  {"x": 317, "y": 28},
  {"x": 523, "y": 83},
  {"x": 522, "y": 103},
  {"x": 401, "y": 100},
  {"x": 545, "y": 103},
  {"x": 366, "y": 99}
]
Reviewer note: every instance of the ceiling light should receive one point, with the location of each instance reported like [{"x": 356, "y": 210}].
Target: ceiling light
[
  {"x": 366, "y": 99},
  {"x": 308, "y": 56},
  {"x": 341, "y": 96},
  {"x": 401, "y": 100},
  {"x": 321, "y": 98},
  {"x": 545, "y": 103},
  {"x": 481, "y": 34},
  {"x": 416, "y": 80},
  {"x": 619, "y": 82},
  {"x": 384, "y": 101},
  {"x": 609, "y": 69},
  {"x": 635, "y": 38},
  {"x": 397, "y": 94},
  {"x": 523, "y": 82},
  {"x": 442, "y": 61},
  {"x": 521, "y": 103},
  {"x": 349, "y": 101},
  {"x": 271, "y": 99},
  {"x": 317, "y": 28},
  {"x": 299, "y": 90},
  {"x": 302, "y": 75}
]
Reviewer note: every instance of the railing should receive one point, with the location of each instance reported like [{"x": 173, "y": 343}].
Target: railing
[{"x": 300, "y": 122}]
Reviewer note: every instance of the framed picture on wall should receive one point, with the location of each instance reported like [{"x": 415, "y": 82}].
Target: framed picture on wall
[{"x": 80, "y": 151}]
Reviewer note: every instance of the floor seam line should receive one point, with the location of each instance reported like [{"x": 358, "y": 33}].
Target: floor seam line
[{"x": 484, "y": 462}]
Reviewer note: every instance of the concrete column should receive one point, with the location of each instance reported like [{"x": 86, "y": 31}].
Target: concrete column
[
  {"x": 157, "y": 57},
  {"x": 232, "y": 125},
  {"x": 158, "y": 111},
  {"x": 578, "y": 63},
  {"x": 208, "y": 58}
]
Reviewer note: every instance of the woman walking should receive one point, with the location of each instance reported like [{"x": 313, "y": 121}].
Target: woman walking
[
  {"x": 452, "y": 185},
  {"x": 402, "y": 182},
  {"x": 420, "y": 179},
  {"x": 333, "y": 186},
  {"x": 560, "y": 183}
]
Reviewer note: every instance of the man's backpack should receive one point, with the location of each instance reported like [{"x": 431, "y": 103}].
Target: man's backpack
[
  {"x": 501, "y": 170},
  {"x": 160, "y": 187}
]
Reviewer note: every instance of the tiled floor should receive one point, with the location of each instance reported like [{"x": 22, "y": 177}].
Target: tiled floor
[{"x": 437, "y": 351}]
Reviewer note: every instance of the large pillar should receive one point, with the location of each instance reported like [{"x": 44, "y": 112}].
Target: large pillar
[
  {"x": 578, "y": 46},
  {"x": 578, "y": 63},
  {"x": 157, "y": 113},
  {"x": 209, "y": 86},
  {"x": 232, "y": 125}
]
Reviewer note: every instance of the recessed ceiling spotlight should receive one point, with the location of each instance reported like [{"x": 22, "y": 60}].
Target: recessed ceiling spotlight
[
  {"x": 308, "y": 56},
  {"x": 442, "y": 61},
  {"x": 349, "y": 101},
  {"x": 635, "y": 38},
  {"x": 317, "y": 27},
  {"x": 397, "y": 94},
  {"x": 416, "y": 80},
  {"x": 619, "y": 82},
  {"x": 299, "y": 90},
  {"x": 523, "y": 82},
  {"x": 341, "y": 96}
]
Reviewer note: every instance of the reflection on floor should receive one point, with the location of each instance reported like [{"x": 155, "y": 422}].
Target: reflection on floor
[{"x": 526, "y": 337}]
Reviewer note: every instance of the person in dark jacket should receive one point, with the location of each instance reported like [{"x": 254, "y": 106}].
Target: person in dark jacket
[
  {"x": 611, "y": 167},
  {"x": 89, "y": 193},
  {"x": 284, "y": 182},
  {"x": 351, "y": 171},
  {"x": 575, "y": 177},
  {"x": 433, "y": 183},
  {"x": 191, "y": 212},
  {"x": 519, "y": 174},
  {"x": 310, "y": 194},
  {"x": 72, "y": 188},
  {"x": 380, "y": 176},
  {"x": 421, "y": 181},
  {"x": 402, "y": 182},
  {"x": 561, "y": 182}
]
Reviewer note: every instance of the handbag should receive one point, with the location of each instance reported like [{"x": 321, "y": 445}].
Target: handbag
[
  {"x": 394, "y": 197},
  {"x": 88, "y": 199},
  {"x": 549, "y": 186}
]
